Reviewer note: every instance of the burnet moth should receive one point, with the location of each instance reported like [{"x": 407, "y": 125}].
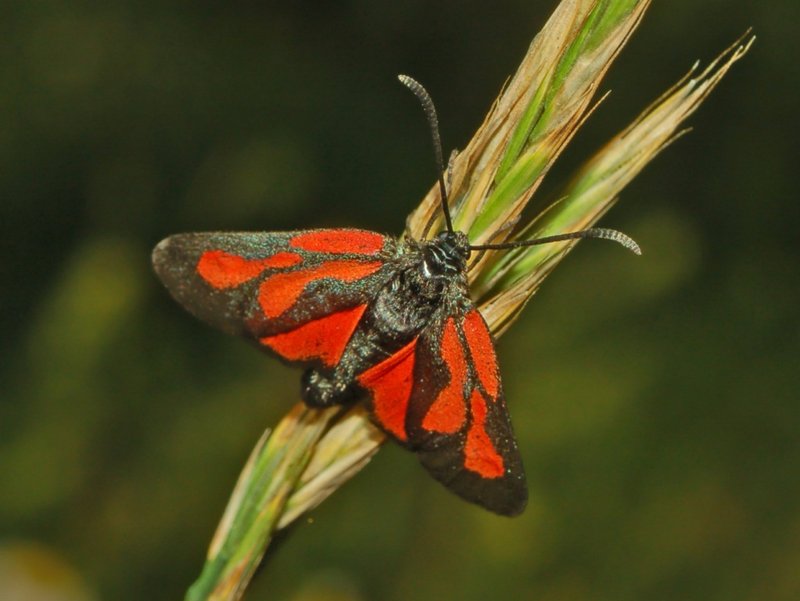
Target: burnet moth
[{"x": 376, "y": 320}]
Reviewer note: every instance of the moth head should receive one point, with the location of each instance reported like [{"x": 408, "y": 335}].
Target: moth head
[{"x": 445, "y": 255}]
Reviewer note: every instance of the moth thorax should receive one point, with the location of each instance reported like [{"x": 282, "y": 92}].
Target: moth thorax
[{"x": 445, "y": 255}]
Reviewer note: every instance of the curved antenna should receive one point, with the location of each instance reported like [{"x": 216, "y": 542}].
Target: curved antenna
[
  {"x": 595, "y": 232},
  {"x": 433, "y": 122}
]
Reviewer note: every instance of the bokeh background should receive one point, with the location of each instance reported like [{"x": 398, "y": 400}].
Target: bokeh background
[{"x": 655, "y": 399}]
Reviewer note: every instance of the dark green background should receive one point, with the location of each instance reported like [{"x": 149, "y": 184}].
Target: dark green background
[{"x": 655, "y": 399}]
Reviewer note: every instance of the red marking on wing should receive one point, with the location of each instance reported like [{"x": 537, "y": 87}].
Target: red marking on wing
[
  {"x": 449, "y": 410},
  {"x": 280, "y": 291},
  {"x": 480, "y": 455},
  {"x": 339, "y": 241},
  {"x": 482, "y": 350},
  {"x": 390, "y": 383},
  {"x": 224, "y": 270},
  {"x": 324, "y": 338}
]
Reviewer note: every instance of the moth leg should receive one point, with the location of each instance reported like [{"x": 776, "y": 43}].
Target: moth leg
[{"x": 320, "y": 390}]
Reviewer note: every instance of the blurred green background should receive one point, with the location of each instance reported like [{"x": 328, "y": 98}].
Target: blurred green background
[{"x": 654, "y": 398}]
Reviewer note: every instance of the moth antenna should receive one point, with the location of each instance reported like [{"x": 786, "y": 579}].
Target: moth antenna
[
  {"x": 433, "y": 122},
  {"x": 595, "y": 232}
]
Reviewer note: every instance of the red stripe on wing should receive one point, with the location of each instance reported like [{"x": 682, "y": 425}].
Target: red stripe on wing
[
  {"x": 449, "y": 410},
  {"x": 481, "y": 349},
  {"x": 339, "y": 241},
  {"x": 390, "y": 383},
  {"x": 480, "y": 455},
  {"x": 224, "y": 270},
  {"x": 280, "y": 291},
  {"x": 324, "y": 338}
]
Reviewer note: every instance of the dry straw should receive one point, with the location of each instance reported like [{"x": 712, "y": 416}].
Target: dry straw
[{"x": 311, "y": 452}]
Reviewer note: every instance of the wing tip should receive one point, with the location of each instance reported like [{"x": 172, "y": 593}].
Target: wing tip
[
  {"x": 168, "y": 255},
  {"x": 513, "y": 505},
  {"x": 160, "y": 252},
  {"x": 508, "y": 497}
]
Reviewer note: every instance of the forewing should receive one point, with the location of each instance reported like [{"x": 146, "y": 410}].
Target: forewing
[
  {"x": 456, "y": 418},
  {"x": 297, "y": 294}
]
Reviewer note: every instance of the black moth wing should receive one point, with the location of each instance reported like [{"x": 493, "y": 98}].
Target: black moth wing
[
  {"x": 258, "y": 284},
  {"x": 457, "y": 419}
]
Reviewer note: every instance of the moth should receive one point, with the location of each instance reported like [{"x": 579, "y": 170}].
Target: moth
[{"x": 377, "y": 320}]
